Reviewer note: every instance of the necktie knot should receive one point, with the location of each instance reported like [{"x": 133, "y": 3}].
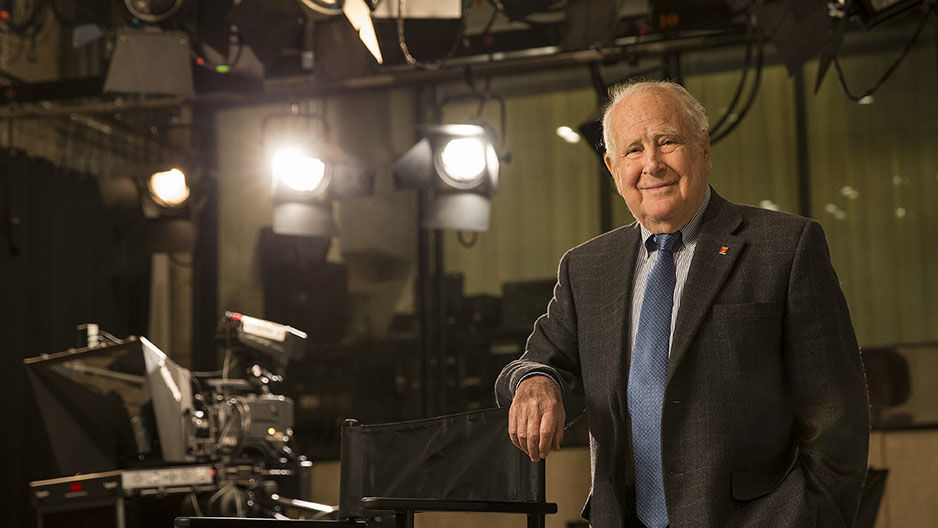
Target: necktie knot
[{"x": 666, "y": 241}]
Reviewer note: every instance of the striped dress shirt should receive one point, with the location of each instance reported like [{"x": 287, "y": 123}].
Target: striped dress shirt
[{"x": 682, "y": 257}]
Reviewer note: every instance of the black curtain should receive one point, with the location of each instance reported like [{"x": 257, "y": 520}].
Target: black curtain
[{"x": 64, "y": 261}]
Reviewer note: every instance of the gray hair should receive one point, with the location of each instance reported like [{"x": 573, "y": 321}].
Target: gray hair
[{"x": 693, "y": 111}]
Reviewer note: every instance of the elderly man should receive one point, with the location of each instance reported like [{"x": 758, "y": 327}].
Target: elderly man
[{"x": 709, "y": 344}]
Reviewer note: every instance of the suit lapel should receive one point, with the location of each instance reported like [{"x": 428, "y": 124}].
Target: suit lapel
[
  {"x": 620, "y": 296},
  {"x": 622, "y": 287},
  {"x": 610, "y": 295},
  {"x": 714, "y": 257}
]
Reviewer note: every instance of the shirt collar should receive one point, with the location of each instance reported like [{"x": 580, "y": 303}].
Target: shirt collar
[{"x": 690, "y": 230}]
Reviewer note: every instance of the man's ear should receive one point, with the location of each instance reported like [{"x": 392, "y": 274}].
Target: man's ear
[{"x": 611, "y": 167}]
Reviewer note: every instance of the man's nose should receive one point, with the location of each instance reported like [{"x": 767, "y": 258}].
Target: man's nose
[{"x": 651, "y": 161}]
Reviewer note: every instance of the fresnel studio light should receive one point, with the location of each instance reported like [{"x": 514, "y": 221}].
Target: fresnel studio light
[
  {"x": 154, "y": 59},
  {"x": 168, "y": 189},
  {"x": 458, "y": 166},
  {"x": 307, "y": 175}
]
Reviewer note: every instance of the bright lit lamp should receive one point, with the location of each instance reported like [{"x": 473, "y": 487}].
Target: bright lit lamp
[
  {"x": 168, "y": 189},
  {"x": 305, "y": 180},
  {"x": 153, "y": 212},
  {"x": 461, "y": 162},
  {"x": 299, "y": 172},
  {"x": 458, "y": 166}
]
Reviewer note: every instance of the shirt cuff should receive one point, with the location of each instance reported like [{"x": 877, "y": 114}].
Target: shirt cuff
[{"x": 538, "y": 373}]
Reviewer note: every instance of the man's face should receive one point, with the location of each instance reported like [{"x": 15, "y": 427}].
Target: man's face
[{"x": 660, "y": 166}]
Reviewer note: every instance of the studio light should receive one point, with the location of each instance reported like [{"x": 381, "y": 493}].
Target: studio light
[
  {"x": 151, "y": 214},
  {"x": 299, "y": 172},
  {"x": 169, "y": 189},
  {"x": 875, "y": 12},
  {"x": 326, "y": 7},
  {"x": 150, "y": 61},
  {"x": 458, "y": 166},
  {"x": 153, "y": 11},
  {"x": 305, "y": 180},
  {"x": 461, "y": 162},
  {"x": 358, "y": 13},
  {"x": 165, "y": 198}
]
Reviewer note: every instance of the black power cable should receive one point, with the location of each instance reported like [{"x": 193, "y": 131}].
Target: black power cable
[
  {"x": 437, "y": 64},
  {"x": 739, "y": 89},
  {"x": 753, "y": 39},
  {"x": 892, "y": 68},
  {"x": 750, "y": 99}
]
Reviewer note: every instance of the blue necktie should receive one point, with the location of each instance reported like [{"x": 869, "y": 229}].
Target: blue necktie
[{"x": 647, "y": 377}]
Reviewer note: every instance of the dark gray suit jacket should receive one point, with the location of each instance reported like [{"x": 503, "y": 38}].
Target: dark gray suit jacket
[{"x": 765, "y": 421}]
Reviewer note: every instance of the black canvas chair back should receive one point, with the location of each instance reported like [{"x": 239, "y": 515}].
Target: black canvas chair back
[{"x": 459, "y": 462}]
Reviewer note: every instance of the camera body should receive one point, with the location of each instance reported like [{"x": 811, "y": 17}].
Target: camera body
[{"x": 223, "y": 425}]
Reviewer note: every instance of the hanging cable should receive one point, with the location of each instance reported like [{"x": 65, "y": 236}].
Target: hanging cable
[
  {"x": 467, "y": 243},
  {"x": 488, "y": 25},
  {"x": 892, "y": 68},
  {"x": 437, "y": 64},
  {"x": 731, "y": 109},
  {"x": 750, "y": 99},
  {"x": 739, "y": 90}
]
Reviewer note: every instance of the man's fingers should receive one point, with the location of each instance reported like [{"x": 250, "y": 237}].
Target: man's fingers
[
  {"x": 513, "y": 425},
  {"x": 533, "y": 448},
  {"x": 558, "y": 436},
  {"x": 518, "y": 419},
  {"x": 536, "y": 417},
  {"x": 546, "y": 435}
]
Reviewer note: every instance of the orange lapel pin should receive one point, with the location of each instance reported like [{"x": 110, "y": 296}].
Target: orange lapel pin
[{"x": 723, "y": 250}]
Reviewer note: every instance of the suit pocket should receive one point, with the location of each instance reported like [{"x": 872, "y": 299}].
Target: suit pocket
[
  {"x": 748, "y": 485},
  {"x": 748, "y": 327}
]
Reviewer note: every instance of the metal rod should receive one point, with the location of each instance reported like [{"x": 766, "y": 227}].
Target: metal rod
[
  {"x": 506, "y": 63},
  {"x": 495, "y": 64}
]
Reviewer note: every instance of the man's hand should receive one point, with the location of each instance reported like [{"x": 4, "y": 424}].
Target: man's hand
[{"x": 536, "y": 417}]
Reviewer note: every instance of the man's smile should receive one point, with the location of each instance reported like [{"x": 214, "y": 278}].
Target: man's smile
[{"x": 659, "y": 187}]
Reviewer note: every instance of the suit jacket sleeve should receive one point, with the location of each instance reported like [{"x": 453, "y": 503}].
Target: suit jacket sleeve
[
  {"x": 828, "y": 386},
  {"x": 551, "y": 349}
]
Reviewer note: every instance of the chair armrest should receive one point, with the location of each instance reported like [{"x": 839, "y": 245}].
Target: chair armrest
[
  {"x": 437, "y": 505},
  {"x": 242, "y": 522}
]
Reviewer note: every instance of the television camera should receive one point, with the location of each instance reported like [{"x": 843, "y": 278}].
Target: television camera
[
  {"x": 242, "y": 418},
  {"x": 124, "y": 405}
]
